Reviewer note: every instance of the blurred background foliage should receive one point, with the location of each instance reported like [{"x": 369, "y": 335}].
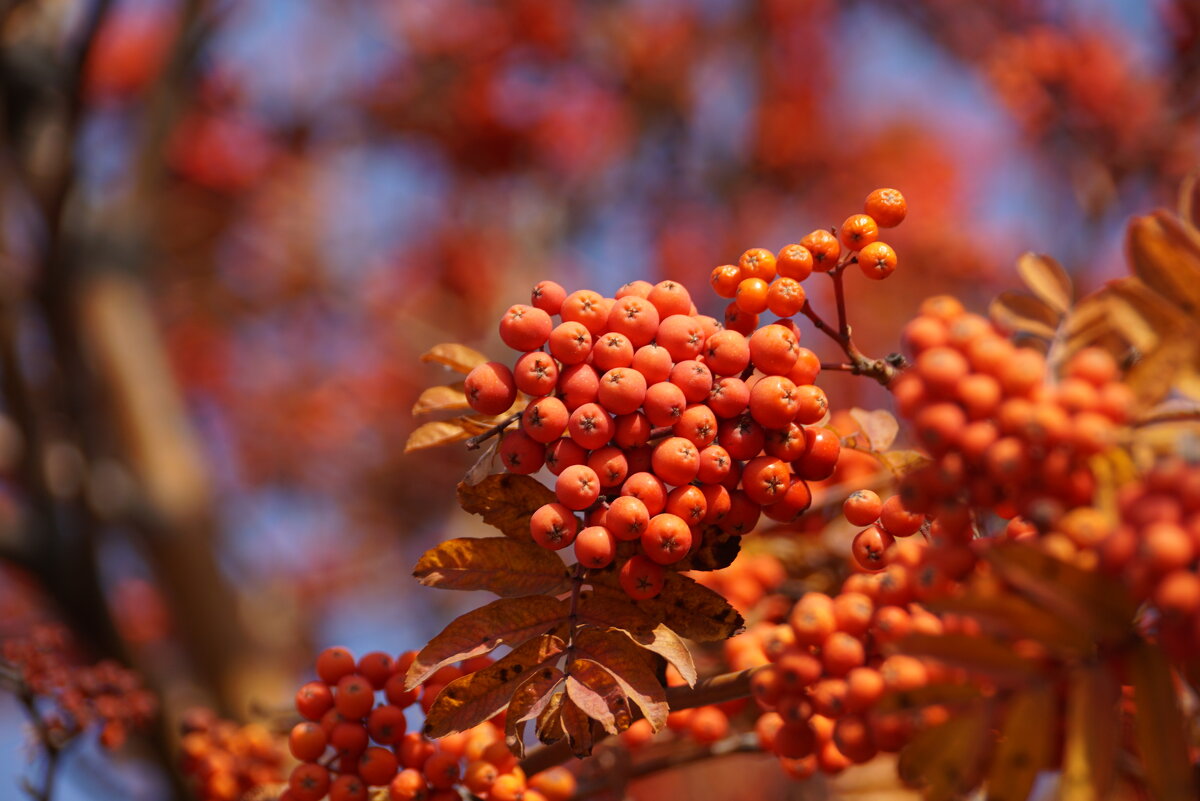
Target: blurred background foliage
[{"x": 231, "y": 228}]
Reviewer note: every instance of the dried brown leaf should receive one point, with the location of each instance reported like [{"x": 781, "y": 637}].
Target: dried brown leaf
[
  {"x": 1092, "y": 735},
  {"x": 978, "y": 655},
  {"x": 901, "y": 463},
  {"x": 506, "y": 501},
  {"x": 1046, "y": 278},
  {"x": 878, "y": 426},
  {"x": 630, "y": 666},
  {"x": 578, "y": 728},
  {"x": 431, "y": 435},
  {"x": 692, "y": 610},
  {"x": 1011, "y": 616},
  {"x": 530, "y": 700},
  {"x": 717, "y": 550},
  {"x": 472, "y": 699},
  {"x": 1189, "y": 201},
  {"x": 549, "y": 727},
  {"x": 497, "y": 564},
  {"x": 1159, "y": 726},
  {"x": 1019, "y": 313},
  {"x": 508, "y": 621},
  {"x": 606, "y": 610},
  {"x": 1154, "y": 375},
  {"x": 455, "y": 356},
  {"x": 947, "y": 760},
  {"x": 1166, "y": 256},
  {"x": 1026, "y": 745},
  {"x": 597, "y": 692}
]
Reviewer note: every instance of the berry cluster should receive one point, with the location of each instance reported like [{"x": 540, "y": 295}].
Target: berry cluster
[
  {"x": 661, "y": 426},
  {"x": 348, "y": 743},
  {"x": 1001, "y": 437},
  {"x": 225, "y": 760},
  {"x": 703, "y": 725},
  {"x": 823, "y": 671},
  {"x": 747, "y": 581},
  {"x": 71, "y": 698}
]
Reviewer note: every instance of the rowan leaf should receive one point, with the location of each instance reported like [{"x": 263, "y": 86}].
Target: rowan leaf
[
  {"x": 605, "y": 610},
  {"x": 455, "y": 356},
  {"x": 1010, "y": 616},
  {"x": 901, "y": 463},
  {"x": 1046, "y": 278},
  {"x": 1166, "y": 256},
  {"x": 549, "y": 721},
  {"x": 1154, "y": 375},
  {"x": 530, "y": 699},
  {"x": 1159, "y": 726},
  {"x": 1026, "y": 744},
  {"x": 947, "y": 760},
  {"x": 1189, "y": 200},
  {"x": 977, "y": 655},
  {"x": 485, "y": 465},
  {"x": 441, "y": 398},
  {"x": 597, "y": 692},
  {"x": 506, "y": 501},
  {"x": 439, "y": 432},
  {"x": 946, "y": 694},
  {"x": 717, "y": 550},
  {"x": 630, "y": 666},
  {"x": 878, "y": 426},
  {"x": 472, "y": 699},
  {"x": 508, "y": 621},
  {"x": 1092, "y": 734},
  {"x": 497, "y": 564},
  {"x": 1088, "y": 600},
  {"x": 1019, "y": 313},
  {"x": 578, "y": 728},
  {"x": 690, "y": 609}
]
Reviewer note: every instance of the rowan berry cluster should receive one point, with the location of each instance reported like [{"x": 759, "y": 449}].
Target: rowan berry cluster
[
  {"x": 348, "y": 742},
  {"x": 70, "y": 698},
  {"x": 1001, "y": 436},
  {"x": 224, "y": 760},
  {"x": 661, "y": 426},
  {"x": 746, "y": 582}
]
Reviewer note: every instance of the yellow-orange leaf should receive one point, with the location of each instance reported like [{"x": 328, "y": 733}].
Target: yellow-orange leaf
[
  {"x": 1096, "y": 604},
  {"x": 978, "y": 655},
  {"x": 1189, "y": 201},
  {"x": 901, "y": 463},
  {"x": 606, "y": 610},
  {"x": 595, "y": 691},
  {"x": 630, "y": 666},
  {"x": 529, "y": 701},
  {"x": 1166, "y": 256},
  {"x": 947, "y": 760},
  {"x": 509, "y": 621},
  {"x": 1156, "y": 373},
  {"x": 1046, "y": 278},
  {"x": 455, "y": 356},
  {"x": 1159, "y": 726},
  {"x": 879, "y": 427},
  {"x": 549, "y": 721},
  {"x": 1026, "y": 744},
  {"x": 497, "y": 564},
  {"x": 1011, "y": 616},
  {"x": 506, "y": 501},
  {"x": 431, "y": 435},
  {"x": 953, "y": 696},
  {"x": 441, "y": 398},
  {"x": 472, "y": 699},
  {"x": 1093, "y": 731},
  {"x": 1024, "y": 314}
]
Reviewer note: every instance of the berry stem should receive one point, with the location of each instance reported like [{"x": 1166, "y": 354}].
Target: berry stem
[
  {"x": 474, "y": 442},
  {"x": 882, "y": 370}
]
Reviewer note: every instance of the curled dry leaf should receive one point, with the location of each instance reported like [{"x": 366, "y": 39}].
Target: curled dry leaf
[
  {"x": 578, "y": 727},
  {"x": 455, "y": 356},
  {"x": 472, "y": 699},
  {"x": 598, "y": 693},
  {"x": 549, "y": 727},
  {"x": 609, "y": 610},
  {"x": 1046, "y": 278},
  {"x": 1166, "y": 256},
  {"x": 530, "y": 700},
  {"x": 631, "y": 668},
  {"x": 879, "y": 427},
  {"x": 508, "y": 621},
  {"x": 497, "y": 564},
  {"x": 694, "y": 611},
  {"x": 1019, "y": 313},
  {"x": 506, "y": 501},
  {"x": 441, "y": 398},
  {"x": 1026, "y": 745}
]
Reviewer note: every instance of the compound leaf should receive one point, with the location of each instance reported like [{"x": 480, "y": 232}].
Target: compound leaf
[
  {"x": 496, "y": 564},
  {"x": 506, "y": 501}
]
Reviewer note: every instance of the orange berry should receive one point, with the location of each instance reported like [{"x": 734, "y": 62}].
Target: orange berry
[
  {"x": 862, "y": 507},
  {"x": 785, "y": 297},
  {"x": 757, "y": 263},
  {"x": 825, "y": 249},
  {"x": 641, "y": 578},
  {"x": 877, "y": 260},
  {"x": 858, "y": 231},
  {"x": 887, "y": 206},
  {"x": 751, "y": 296},
  {"x": 795, "y": 262},
  {"x": 725, "y": 280}
]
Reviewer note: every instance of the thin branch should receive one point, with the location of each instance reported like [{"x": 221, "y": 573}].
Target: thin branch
[
  {"x": 474, "y": 442},
  {"x": 745, "y": 743}
]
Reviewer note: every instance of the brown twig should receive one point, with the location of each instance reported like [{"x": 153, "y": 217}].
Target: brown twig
[
  {"x": 744, "y": 743},
  {"x": 474, "y": 442}
]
